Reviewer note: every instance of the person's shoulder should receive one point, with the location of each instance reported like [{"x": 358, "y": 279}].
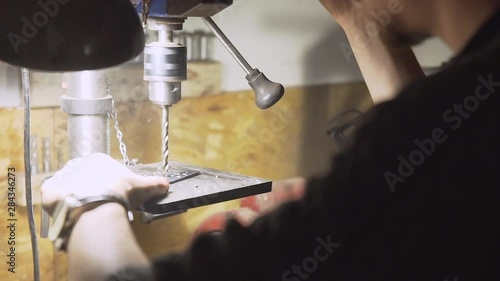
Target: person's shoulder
[
  {"x": 423, "y": 104},
  {"x": 464, "y": 76},
  {"x": 472, "y": 77}
]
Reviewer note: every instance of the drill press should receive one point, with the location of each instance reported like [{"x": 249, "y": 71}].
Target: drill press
[
  {"x": 95, "y": 34},
  {"x": 165, "y": 67},
  {"x": 165, "y": 62}
]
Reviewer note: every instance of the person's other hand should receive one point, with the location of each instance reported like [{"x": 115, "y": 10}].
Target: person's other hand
[
  {"x": 216, "y": 223},
  {"x": 282, "y": 191},
  {"x": 348, "y": 13},
  {"x": 98, "y": 174},
  {"x": 255, "y": 206}
]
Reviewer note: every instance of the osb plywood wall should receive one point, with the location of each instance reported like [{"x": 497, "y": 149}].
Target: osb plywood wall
[{"x": 222, "y": 131}]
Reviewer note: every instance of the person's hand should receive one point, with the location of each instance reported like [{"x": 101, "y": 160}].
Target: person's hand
[
  {"x": 216, "y": 223},
  {"x": 383, "y": 54},
  {"x": 348, "y": 13},
  {"x": 97, "y": 174},
  {"x": 282, "y": 191},
  {"x": 255, "y": 206}
]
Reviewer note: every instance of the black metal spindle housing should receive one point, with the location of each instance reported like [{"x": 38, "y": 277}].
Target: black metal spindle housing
[{"x": 69, "y": 35}]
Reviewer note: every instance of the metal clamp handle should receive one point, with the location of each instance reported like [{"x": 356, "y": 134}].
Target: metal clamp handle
[{"x": 267, "y": 92}]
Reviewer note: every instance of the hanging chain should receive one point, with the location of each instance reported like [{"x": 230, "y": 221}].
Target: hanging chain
[{"x": 119, "y": 135}]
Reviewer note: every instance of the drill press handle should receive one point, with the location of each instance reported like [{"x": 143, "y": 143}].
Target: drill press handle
[{"x": 267, "y": 92}]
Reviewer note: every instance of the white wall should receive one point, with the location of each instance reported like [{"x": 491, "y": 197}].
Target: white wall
[
  {"x": 295, "y": 42},
  {"x": 432, "y": 53},
  {"x": 10, "y": 95}
]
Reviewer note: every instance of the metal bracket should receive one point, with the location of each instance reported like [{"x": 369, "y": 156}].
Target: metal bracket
[
  {"x": 148, "y": 218},
  {"x": 77, "y": 106},
  {"x": 185, "y": 8}
]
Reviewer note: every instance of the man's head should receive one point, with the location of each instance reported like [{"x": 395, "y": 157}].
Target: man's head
[
  {"x": 404, "y": 21},
  {"x": 410, "y": 21}
]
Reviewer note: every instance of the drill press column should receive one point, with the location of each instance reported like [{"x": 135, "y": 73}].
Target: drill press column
[
  {"x": 165, "y": 67},
  {"x": 87, "y": 104}
]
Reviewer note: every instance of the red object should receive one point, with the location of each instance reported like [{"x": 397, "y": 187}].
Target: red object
[
  {"x": 283, "y": 191},
  {"x": 214, "y": 223},
  {"x": 251, "y": 207},
  {"x": 251, "y": 203}
]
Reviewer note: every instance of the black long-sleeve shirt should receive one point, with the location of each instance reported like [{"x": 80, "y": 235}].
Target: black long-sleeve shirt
[{"x": 414, "y": 196}]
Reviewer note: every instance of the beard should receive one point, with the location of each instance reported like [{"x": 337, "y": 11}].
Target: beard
[{"x": 399, "y": 38}]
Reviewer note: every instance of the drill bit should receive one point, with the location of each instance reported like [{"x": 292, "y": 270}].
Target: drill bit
[
  {"x": 165, "y": 151},
  {"x": 145, "y": 12}
]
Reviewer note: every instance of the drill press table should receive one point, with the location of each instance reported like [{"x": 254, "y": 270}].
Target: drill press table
[{"x": 193, "y": 186}]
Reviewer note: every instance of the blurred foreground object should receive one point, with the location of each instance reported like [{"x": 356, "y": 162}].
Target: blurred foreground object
[
  {"x": 253, "y": 206},
  {"x": 69, "y": 35},
  {"x": 283, "y": 191}
]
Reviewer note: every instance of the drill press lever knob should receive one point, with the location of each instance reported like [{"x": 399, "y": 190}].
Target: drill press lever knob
[{"x": 267, "y": 92}]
